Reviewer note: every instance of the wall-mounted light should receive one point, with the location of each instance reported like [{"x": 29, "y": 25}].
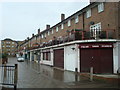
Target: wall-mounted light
[
  {"x": 91, "y": 23},
  {"x": 73, "y": 48}
]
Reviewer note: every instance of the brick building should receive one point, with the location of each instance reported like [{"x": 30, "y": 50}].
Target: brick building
[
  {"x": 9, "y": 46},
  {"x": 88, "y": 38}
]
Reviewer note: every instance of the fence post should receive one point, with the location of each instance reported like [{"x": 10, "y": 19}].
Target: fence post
[
  {"x": 91, "y": 73},
  {"x": 15, "y": 76}
]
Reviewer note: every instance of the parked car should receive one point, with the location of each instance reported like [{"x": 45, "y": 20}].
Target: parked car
[{"x": 20, "y": 59}]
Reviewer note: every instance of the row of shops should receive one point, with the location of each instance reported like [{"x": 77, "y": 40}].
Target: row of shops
[{"x": 80, "y": 56}]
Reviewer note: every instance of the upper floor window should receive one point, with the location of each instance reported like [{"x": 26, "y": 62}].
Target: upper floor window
[
  {"x": 101, "y": 7},
  {"x": 76, "y": 19},
  {"x": 48, "y": 33},
  {"x": 42, "y": 36},
  {"x": 12, "y": 42},
  {"x": 8, "y": 42},
  {"x": 8, "y": 53},
  {"x": 62, "y": 26},
  {"x": 8, "y": 49},
  {"x": 95, "y": 30},
  {"x": 88, "y": 13},
  {"x": 69, "y": 23},
  {"x": 7, "y": 46},
  {"x": 12, "y": 53},
  {"x": 45, "y": 35},
  {"x": 52, "y": 31},
  {"x": 56, "y": 29}
]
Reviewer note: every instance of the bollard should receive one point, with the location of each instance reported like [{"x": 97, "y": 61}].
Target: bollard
[
  {"x": 91, "y": 73},
  {"x": 76, "y": 74}
]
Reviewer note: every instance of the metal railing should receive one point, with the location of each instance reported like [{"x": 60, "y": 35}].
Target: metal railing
[
  {"x": 9, "y": 75},
  {"x": 74, "y": 35}
]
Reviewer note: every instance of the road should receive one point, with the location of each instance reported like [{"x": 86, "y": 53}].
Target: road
[{"x": 34, "y": 75}]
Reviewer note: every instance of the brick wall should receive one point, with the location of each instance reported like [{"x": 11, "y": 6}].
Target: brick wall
[{"x": 109, "y": 19}]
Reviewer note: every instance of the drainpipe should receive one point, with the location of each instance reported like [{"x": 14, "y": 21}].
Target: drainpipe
[
  {"x": 119, "y": 20},
  {"x": 83, "y": 21},
  {"x": 76, "y": 50}
]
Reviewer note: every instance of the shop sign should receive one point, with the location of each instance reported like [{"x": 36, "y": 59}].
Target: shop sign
[{"x": 96, "y": 46}]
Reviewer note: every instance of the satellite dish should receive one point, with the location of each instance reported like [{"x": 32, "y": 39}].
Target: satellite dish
[{"x": 91, "y": 23}]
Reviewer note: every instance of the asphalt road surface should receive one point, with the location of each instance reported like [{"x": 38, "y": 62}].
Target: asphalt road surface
[{"x": 34, "y": 75}]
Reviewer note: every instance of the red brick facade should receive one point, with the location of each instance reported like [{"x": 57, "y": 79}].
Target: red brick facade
[{"x": 108, "y": 18}]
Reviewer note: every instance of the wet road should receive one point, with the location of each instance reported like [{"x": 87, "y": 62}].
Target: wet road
[{"x": 34, "y": 75}]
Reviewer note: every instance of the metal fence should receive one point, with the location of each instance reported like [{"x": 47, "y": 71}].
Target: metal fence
[{"x": 9, "y": 75}]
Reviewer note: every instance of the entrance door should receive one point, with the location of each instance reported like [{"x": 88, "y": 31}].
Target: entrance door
[
  {"x": 95, "y": 30},
  {"x": 59, "y": 58},
  {"x": 101, "y": 59}
]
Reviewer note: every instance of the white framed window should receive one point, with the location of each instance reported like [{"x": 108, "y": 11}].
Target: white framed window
[
  {"x": 88, "y": 13},
  {"x": 12, "y": 46},
  {"x": 52, "y": 31},
  {"x": 48, "y": 33},
  {"x": 76, "y": 19},
  {"x": 95, "y": 29},
  {"x": 56, "y": 29},
  {"x": 45, "y": 35},
  {"x": 42, "y": 36},
  {"x": 12, "y": 42},
  {"x": 100, "y": 7},
  {"x": 69, "y": 23},
  {"x": 62, "y": 26}
]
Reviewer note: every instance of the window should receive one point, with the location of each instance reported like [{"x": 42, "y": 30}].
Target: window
[
  {"x": 56, "y": 29},
  {"x": 8, "y": 53},
  {"x": 101, "y": 7},
  {"x": 12, "y": 46},
  {"x": 46, "y": 56},
  {"x": 48, "y": 33},
  {"x": 95, "y": 29},
  {"x": 76, "y": 19},
  {"x": 8, "y": 49},
  {"x": 12, "y": 42},
  {"x": 45, "y": 35},
  {"x": 42, "y": 36},
  {"x": 62, "y": 26},
  {"x": 7, "y": 42},
  {"x": 12, "y": 53},
  {"x": 88, "y": 13},
  {"x": 52, "y": 31},
  {"x": 7, "y": 45},
  {"x": 69, "y": 23}
]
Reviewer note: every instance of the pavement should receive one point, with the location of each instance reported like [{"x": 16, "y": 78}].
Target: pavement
[
  {"x": 34, "y": 75},
  {"x": 108, "y": 78}
]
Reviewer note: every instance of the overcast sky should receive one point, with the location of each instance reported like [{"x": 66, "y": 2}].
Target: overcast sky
[{"x": 18, "y": 20}]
